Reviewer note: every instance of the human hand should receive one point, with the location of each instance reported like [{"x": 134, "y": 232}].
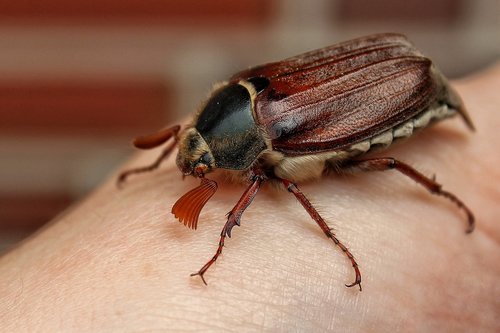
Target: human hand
[{"x": 119, "y": 261}]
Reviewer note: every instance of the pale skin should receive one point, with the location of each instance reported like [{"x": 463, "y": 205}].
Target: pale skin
[{"x": 119, "y": 261}]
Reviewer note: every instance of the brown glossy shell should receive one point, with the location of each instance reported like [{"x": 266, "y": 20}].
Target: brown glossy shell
[{"x": 333, "y": 97}]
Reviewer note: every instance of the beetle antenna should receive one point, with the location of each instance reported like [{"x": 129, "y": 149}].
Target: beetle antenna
[{"x": 188, "y": 208}]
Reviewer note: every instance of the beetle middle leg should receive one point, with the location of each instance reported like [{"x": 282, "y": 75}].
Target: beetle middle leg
[
  {"x": 233, "y": 218},
  {"x": 291, "y": 187},
  {"x": 152, "y": 141},
  {"x": 387, "y": 163}
]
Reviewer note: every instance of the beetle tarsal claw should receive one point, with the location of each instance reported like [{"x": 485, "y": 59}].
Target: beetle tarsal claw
[
  {"x": 201, "y": 276},
  {"x": 355, "y": 283},
  {"x": 232, "y": 221},
  {"x": 188, "y": 208}
]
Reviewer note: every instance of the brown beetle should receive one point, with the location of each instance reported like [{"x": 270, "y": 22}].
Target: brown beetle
[{"x": 292, "y": 120}]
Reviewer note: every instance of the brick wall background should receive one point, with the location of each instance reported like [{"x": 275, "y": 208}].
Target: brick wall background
[{"x": 79, "y": 79}]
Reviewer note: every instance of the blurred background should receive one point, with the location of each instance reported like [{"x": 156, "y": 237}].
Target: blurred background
[{"x": 80, "y": 78}]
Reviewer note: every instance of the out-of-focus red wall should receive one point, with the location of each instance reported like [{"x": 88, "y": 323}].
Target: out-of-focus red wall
[{"x": 79, "y": 79}]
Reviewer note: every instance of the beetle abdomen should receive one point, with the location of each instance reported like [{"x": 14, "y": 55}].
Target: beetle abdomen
[{"x": 403, "y": 130}]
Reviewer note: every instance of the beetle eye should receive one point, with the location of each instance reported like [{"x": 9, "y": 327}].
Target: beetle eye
[{"x": 205, "y": 158}]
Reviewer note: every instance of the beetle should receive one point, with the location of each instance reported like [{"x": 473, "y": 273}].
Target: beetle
[{"x": 294, "y": 120}]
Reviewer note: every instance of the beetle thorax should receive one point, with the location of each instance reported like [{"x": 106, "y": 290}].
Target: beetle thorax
[
  {"x": 194, "y": 157},
  {"x": 226, "y": 123}
]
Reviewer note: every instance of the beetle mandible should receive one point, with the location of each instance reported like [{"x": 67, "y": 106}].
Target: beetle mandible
[{"x": 292, "y": 120}]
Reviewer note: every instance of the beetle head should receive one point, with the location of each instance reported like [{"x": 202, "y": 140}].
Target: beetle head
[{"x": 194, "y": 157}]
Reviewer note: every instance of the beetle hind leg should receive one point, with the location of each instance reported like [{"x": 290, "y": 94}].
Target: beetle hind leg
[
  {"x": 291, "y": 187},
  {"x": 388, "y": 163}
]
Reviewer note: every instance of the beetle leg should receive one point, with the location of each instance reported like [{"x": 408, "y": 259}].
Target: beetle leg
[
  {"x": 291, "y": 187},
  {"x": 155, "y": 139},
  {"x": 233, "y": 218},
  {"x": 382, "y": 164},
  {"x": 166, "y": 152},
  {"x": 152, "y": 141}
]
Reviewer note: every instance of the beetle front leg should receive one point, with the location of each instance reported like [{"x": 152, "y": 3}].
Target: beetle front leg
[
  {"x": 233, "y": 219},
  {"x": 166, "y": 153},
  {"x": 387, "y": 163},
  {"x": 152, "y": 141},
  {"x": 291, "y": 187}
]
